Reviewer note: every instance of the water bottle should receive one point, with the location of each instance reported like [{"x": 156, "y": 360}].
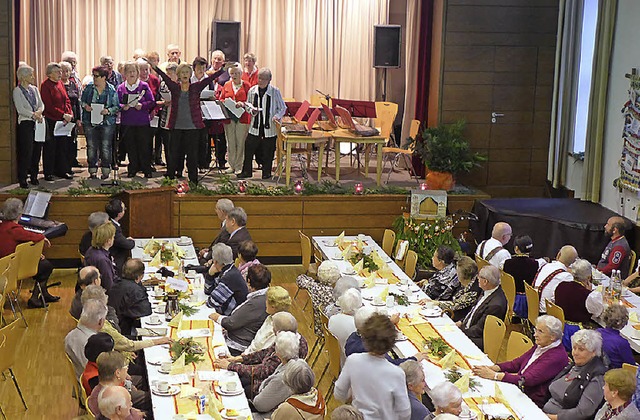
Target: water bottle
[{"x": 616, "y": 283}]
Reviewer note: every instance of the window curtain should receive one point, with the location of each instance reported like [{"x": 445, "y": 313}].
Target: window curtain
[
  {"x": 592, "y": 174},
  {"x": 565, "y": 88},
  {"x": 308, "y": 44},
  {"x": 411, "y": 65}
]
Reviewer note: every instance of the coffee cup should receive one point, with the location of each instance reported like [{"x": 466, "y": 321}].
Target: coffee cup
[
  {"x": 163, "y": 386},
  {"x": 154, "y": 319},
  {"x": 377, "y": 300},
  {"x": 390, "y": 302},
  {"x": 429, "y": 304},
  {"x": 230, "y": 386},
  {"x": 222, "y": 353},
  {"x": 194, "y": 298},
  {"x": 191, "y": 274},
  {"x": 165, "y": 366},
  {"x": 361, "y": 236},
  {"x": 184, "y": 239}
]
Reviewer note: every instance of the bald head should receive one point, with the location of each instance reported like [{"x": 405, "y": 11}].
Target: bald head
[
  {"x": 502, "y": 232},
  {"x": 615, "y": 227},
  {"x": 88, "y": 275},
  {"x": 567, "y": 255},
  {"x": 284, "y": 321}
]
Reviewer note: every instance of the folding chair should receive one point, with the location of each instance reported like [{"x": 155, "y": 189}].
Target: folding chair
[
  {"x": 411, "y": 261},
  {"x": 11, "y": 335},
  {"x": 388, "y": 239},
  {"x": 11, "y": 288},
  {"x": 398, "y": 152},
  {"x": 508, "y": 284},
  {"x": 517, "y": 345},
  {"x": 333, "y": 366},
  {"x": 493, "y": 335},
  {"x": 28, "y": 256}
]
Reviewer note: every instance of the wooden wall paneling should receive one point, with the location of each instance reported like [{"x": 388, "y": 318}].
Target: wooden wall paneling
[{"x": 8, "y": 119}]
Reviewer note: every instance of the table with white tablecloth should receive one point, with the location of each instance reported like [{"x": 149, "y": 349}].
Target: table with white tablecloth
[{"x": 632, "y": 302}]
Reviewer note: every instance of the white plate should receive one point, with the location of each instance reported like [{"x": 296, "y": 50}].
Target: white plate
[
  {"x": 337, "y": 257},
  {"x": 146, "y": 258},
  {"x": 330, "y": 244},
  {"x": 225, "y": 416},
  {"x": 189, "y": 242},
  {"x": 159, "y": 309},
  {"x": 413, "y": 299},
  {"x": 153, "y": 323},
  {"x": 173, "y": 390},
  {"x": 414, "y": 288},
  {"x": 379, "y": 304},
  {"x": 221, "y": 391},
  {"x": 157, "y": 362},
  {"x": 349, "y": 272},
  {"x": 431, "y": 312}
]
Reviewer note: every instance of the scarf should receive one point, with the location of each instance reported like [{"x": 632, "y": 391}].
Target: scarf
[
  {"x": 31, "y": 97},
  {"x": 257, "y": 103}
]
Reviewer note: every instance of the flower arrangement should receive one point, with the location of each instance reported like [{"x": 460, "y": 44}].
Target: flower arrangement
[
  {"x": 437, "y": 347},
  {"x": 454, "y": 374},
  {"x": 367, "y": 261},
  {"x": 193, "y": 351}
]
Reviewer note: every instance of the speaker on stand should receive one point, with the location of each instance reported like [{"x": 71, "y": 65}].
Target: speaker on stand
[
  {"x": 225, "y": 37},
  {"x": 386, "y": 50}
]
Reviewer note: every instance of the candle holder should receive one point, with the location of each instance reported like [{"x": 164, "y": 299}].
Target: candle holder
[
  {"x": 298, "y": 187},
  {"x": 423, "y": 186},
  {"x": 359, "y": 189},
  {"x": 242, "y": 187}
]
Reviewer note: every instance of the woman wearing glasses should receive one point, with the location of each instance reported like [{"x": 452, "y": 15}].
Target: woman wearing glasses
[{"x": 99, "y": 129}]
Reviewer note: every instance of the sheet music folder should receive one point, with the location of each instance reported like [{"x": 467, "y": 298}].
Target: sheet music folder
[
  {"x": 358, "y": 109},
  {"x": 37, "y": 204}
]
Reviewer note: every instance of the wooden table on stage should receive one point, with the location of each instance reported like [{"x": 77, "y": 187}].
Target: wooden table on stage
[
  {"x": 345, "y": 136},
  {"x": 319, "y": 138}
]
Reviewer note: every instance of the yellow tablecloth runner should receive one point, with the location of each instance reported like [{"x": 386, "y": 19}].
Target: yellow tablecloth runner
[
  {"x": 475, "y": 402},
  {"x": 383, "y": 271}
]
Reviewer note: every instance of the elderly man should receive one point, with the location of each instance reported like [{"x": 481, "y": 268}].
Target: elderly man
[
  {"x": 86, "y": 276},
  {"x": 129, "y": 297},
  {"x": 216, "y": 130},
  {"x": 71, "y": 58},
  {"x": 121, "y": 248},
  {"x": 491, "y": 302},
  {"x": 617, "y": 253},
  {"x": 447, "y": 399},
  {"x": 13, "y": 234},
  {"x": 114, "y": 78},
  {"x": 114, "y": 402},
  {"x": 256, "y": 367},
  {"x": 223, "y": 206},
  {"x": 236, "y": 225},
  {"x": 224, "y": 283},
  {"x": 91, "y": 321},
  {"x": 173, "y": 56},
  {"x": 550, "y": 275},
  {"x": 94, "y": 220},
  {"x": 492, "y": 249}
]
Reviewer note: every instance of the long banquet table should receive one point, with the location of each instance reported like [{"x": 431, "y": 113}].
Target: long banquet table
[
  {"x": 632, "y": 302},
  {"x": 521, "y": 405},
  {"x": 166, "y": 407}
]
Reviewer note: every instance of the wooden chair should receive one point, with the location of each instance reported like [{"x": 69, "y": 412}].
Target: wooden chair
[
  {"x": 333, "y": 348},
  {"x": 11, "y": 335},
  {"x": 28, "y": 256},
  {"x": 11, "y": 288},
  {"x": 398, "y": 152},
  {"x": 517, "y": 345},
  {"x": 632, "y": 263},
  {"x": 76, "y": 388},
  {"x": 509, "y": 288},
  {"x": 388, "y": 239},
  {"x": 411, "y": 261},
  {"x": 631, "y": 368},
  {"x": 533, "y": 306},
  {"x": 86, "y": 405},
  {"x": 481, "y": 262},
  {"x": 306, "y": 250},
  {"x": 555, "y": 310},
  {"x": 493, "y": 335}
]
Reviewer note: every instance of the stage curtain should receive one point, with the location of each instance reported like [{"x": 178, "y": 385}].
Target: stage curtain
[
  {"x": 308, "y": 44},
  {"x": 565, "y": 88},
  {"x": 411, "y": 66},
  {"x": 592, "y": 174}
]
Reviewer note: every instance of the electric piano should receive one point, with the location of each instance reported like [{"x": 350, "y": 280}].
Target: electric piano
[{"x": 49, "y": 228}]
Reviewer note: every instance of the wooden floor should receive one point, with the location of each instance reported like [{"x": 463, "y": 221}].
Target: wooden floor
[{"x": 41, "y": 369}]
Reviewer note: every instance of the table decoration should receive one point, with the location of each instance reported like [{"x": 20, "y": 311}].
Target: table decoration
[{"x": 454, "y": 376}]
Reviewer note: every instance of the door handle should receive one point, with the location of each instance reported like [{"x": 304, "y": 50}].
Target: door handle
[{"x": 494, "y": 116}]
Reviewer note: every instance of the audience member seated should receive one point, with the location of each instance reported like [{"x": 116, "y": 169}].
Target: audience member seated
[
  {"x": 619, "y": 386},
  {"x": 94, "y": 220},
  {"x": 447, "y": 399},
  {"x": 86, "y": 276},
  {"x": 224, "y": 285},
  {"x": 342, "y": 325},
  {"x": 466, "y": 296},
  {"x": 121, "y": 248},
  {"x": 223, "y": 206},
  {"x": 247, "y": 318},
  {"x": 91, "y": 321},
  {"x": 273, "y": 391},
  {"x": 11, "y": 235},
  {"x": 535, "y": 369},
  {"x": 343, "y": 284},
  {"x": 550, "y": 275},
  {"x": 523, "y": 268},
  {"x": 444, "y": 283},
  {"x": 247, "y": 256},
  {"x": 617, "y": 253},
  {"x": 416, "y": 385},
  {"x": 256, "y": 367},
  {"x": 361, "y": 374},
  {"x": 306, "y": 402},
  {"x": 321, "y": 291},
  {"x": 578, "y": 301},
  {"x": 346, "y": 412},
  {"x": 96, "y": 345},
  {"x": 278, "y": 300},
  {"x": 492, "y": 301},
  {"x": 112, "y": 371},
  {"x": 492, "y": 249},
  {"x": 236, "y": 225},
  {"x": 576, "y": 392},
  {"x": 129, "y": 297},
  {"x": 114, "y": 403},
  {"x": 615, "y": 347},
  {"x": 98, "y": 255}
]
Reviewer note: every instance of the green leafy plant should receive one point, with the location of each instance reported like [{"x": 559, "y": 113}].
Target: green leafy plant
[
  {"x": 453, "y": 374},
  {"x": 85, "y": 189},
  {"x": 426, "y": 236},
  {"x": 437, "y": 347},
  {"x": 400, "y": 299},
  {"x": 193, "y": 351},
  {"x": 367, "y": 262},
  {"x": 186, "y": 309}
]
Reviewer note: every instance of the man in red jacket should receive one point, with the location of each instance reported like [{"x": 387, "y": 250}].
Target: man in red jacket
[{"x": 11, "y": 235}]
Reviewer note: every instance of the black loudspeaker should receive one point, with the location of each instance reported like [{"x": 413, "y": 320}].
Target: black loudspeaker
[
  {"x": 386, "y": 46},
  {"x": 226, "y": 38}
]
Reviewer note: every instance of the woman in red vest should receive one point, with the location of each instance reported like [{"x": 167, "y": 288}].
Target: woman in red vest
[{"x": 236, "y": 130}]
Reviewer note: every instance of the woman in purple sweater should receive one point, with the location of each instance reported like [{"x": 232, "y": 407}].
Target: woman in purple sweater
[
  {"x": 535, "y": 369},
  {"x": 136, "y": 101},
  {"x": 98, "y": 255}
]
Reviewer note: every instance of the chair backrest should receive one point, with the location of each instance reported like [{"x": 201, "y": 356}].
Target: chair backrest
[
  {"x": 533, "y": 303},
  {"x": 517, "y": 345},
  {"x": 385, "y": 116},
  {"x": 493, "y": 335},
  {"x": 72, "y": 377},
  {"x": 11, "y": 273},
  {"x": 555, "y": 310},
  {"x": 4, "y": 262},
  {"x": 333, "y": 347},
  {"x": 28, "y": 256},
  {"x": 411, "y": 260},
  {"x": 414, "y": 128},
  {"x": 632, "y": 368},
  {"x": 632, "y": 263},
  {"x": 12, "y": 334},
  {"x": 509, "y": 288},
  {"x": 481, "y": 262},
  {"x": 86, "y": 405},
  {"x": 305, "y": 248},
  {"x": 388, "y": 239}
]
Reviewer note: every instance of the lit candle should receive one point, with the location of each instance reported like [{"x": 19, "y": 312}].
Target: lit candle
[
  {"x": 423, "y": 186},
  {"x": 242, "y": 187},
  {"x": 359, "y": 188},
  {"x": 298, "y": 187}
]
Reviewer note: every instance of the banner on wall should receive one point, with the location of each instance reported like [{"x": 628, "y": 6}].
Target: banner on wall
[{"x": 630, "y": 161}]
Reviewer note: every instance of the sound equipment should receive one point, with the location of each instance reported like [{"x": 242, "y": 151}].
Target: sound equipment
[
  {"x": 386, "y": 46},
  {"x": 225, "y": 37}
]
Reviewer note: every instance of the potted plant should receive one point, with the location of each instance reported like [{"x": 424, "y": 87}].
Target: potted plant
[{"x": 446, "y": 153}]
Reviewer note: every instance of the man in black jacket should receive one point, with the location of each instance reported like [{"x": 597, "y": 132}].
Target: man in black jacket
[
  {"x": 223, "y": 206},
  {"x": 121, "y": 248},
  {"x": 236, "y": 225},
  {"x": 129, "y": 297}
]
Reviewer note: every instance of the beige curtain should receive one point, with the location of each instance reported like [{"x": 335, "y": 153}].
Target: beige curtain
[
  {"x": 308, "y": 44},
  {"x": 592, "y": 174},
  {"x": 410, "y": 65},
  {"x": 565, "y": 88}
]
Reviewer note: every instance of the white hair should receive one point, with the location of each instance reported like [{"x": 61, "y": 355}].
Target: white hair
[
  {"x": 299, "y": 376},
  {"x": 362, "y": 315},
  {"x": 222, "y": 254},
  {"x": 343, "y": 284},
  {"x": 328, "y": 272},
  {"x": 413, "y": 372},
  {"x": 581, "y": 270},
  {"x": 23, "y": 72},
  {"x": 350, "y": 301},
  {"x": 553, "y": 324},
  {"x": 490, "y": 274},
  {"x": 235, "y": 67},
  {"x": 589, "y": 339},
  {"x": 284, "y": 321},
  {"x": 51, "y": 67},
  {"x": 224, "y": 205},
  {"x": 65, "y": 65},
  {"x": 265, "y": 72},
  {"x": 444, "y": 394},
  {"x": 111, "y": 398},
  {"x": 66, "y": 55},
  {"x": 287, "y": 345},
  {"x": 96, "y": 219},
  {"x": 93, "y": 311}
]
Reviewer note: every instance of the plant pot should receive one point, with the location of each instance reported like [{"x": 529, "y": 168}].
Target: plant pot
[{"x": 439, "y": 180}]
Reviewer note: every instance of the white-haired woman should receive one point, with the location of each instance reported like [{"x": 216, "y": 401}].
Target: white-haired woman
[
  {"x": 343, "y": 284},
  {"x": 577, "y": 391},
  {"x": 342, "y": 325},
  {"x": 236, "y": 131},
  {"x": 306, "y": 403},
  {"x": 614, "y": 346},
  {"x": 447, "y": 399},
  {"x": 74, "y": 89},
  {"x": 321, "y": 291},
  {"x": 29, "y": 107},
  {"x": 536, "y": 368},
  {"x": 416, "y": 387}
]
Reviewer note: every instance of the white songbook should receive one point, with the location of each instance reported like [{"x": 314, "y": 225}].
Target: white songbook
[
  {"x": 96, "y": 116},
  {"x": 211, "y": 110},
  {"x": 230, "y": 104},
  {"x": 63, "y": 130},
  {"x": 41, "y": 131}
]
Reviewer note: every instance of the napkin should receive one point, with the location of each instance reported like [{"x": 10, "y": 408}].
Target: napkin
[
  {"x": 448, "y": 361},
  {"x": 148, "y": 247},
  {"x": 339, "y": 239},
  {"x": 155, "y": 262},
  {"x": 214, "y": 406},
  {"x": 359, "y": 266},
  {"x": 498, "y": 394},
  {"x": 187, "y": 391},
  {"x": 463, "y": 383},
  {"x": 370, "y": 281},
  {"x": 177, "y": 367},
  {"x": 384, "y": 294},
  {"x": 633, "y": 317},
  {"x": 360, "y": 245},
  {"x": 347, "y": 251},
  {"x": 377, "y": 259},
  {"x": 385, "y": 271},
  {"x": 176, "y": 322}
]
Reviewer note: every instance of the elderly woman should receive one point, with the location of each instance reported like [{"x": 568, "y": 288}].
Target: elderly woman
[
  {"x": 216, "y": 127},
  {"x": 98, "y": 255},
  {"x": 619, "y": 386},
  {"x": 163, "y": 115},
  {"x": 416, "y": 386},
  {"x": 576, "y": 392},
  {"x": 615, "y": 347},
  {"x": 321, "y": 291},
  {"x": 278, "y": 300},
  {"x": 224, "y": 283},
  {"x": 29, "y": 107},
  {"x": 57, "y": 108},
  {"x": 523, "y": 268},
  {"x": 99, "y": 133},
  {"x": 343, "y": 284},
  {"x": 236, "y": 131},
  {"x": 578, "y": 301},
  {"x": 443, "y": 284},
  {"x": 342, "y": 325},
  {"x": 447, "y": 399},
  {"x": 250, "y": 72},
  {"x": 247, "y": 318},
  {"x": 360, "y": 377},
  {"x": 306, "y": 402},
  {"x": 266, "y": 106},
  {"x": 466, "y": 296},
  {"x": 273, "y": 391},
  {"x": 247, "y": 253},
  {"x": 73, "y": 87},
  {"x": 535, "y": 369},
  {"x": 136, "y": 101}
]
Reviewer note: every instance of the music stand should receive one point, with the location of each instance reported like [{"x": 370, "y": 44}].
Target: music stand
[
  {"x": 294, "y": 107},
  {"x": 358, "y": 109}
]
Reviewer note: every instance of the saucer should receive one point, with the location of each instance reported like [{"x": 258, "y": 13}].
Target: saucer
[
  {"x": 159, "y": 310},
  {"x": 157, "y": 362},
  {"x": 379, "y": 304},
  {"x": 330, "y": 244},
  {"x": 221, "y": 391},
  {"x": 153, "y": 323},
  {"x": 165, "y": 372},
  {"x": 431, "y": 312},
  {"x": 189, "y": 242},
  {"x": 173, "y": 390}
]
